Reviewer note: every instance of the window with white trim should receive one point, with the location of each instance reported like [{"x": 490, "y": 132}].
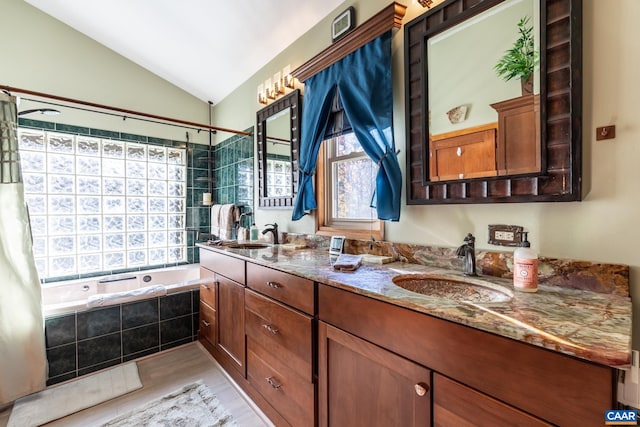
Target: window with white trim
[
  {"x": 98, "y": 205},
  {"x": 347, "y": 177}
]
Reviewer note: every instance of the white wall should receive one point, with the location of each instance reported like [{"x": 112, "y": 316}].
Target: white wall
[{"x": 603, "y": 227}]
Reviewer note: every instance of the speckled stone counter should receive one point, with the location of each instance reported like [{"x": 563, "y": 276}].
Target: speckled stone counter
[{"x": 590, "y": 325}]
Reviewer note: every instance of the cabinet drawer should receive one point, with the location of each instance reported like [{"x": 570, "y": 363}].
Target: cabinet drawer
[
  {"x": 285, "y": 332},
  {"x": 207, "y": 328},
  {"x": 287, "y": 288},
  {"x": 290, "y": 395},
  {"x": 456, "y": 405},
  {"x": 228, "y": 266},
  {"x": 208, "y": 289}
]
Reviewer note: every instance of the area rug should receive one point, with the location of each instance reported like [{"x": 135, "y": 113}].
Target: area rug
[
  {"x": 193, "y": 405},
  {"x": 65, "y": 399}
]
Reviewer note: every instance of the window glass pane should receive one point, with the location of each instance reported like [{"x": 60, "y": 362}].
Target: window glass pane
[
  {"x": 99, "y": 205},
  {"x": 347, "y": 144},
  {"x": 353, "y": 185}
]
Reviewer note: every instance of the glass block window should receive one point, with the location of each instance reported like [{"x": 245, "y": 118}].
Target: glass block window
[
  {"x": 98, "y": 205},
  {"x": 279, "y": 177}
]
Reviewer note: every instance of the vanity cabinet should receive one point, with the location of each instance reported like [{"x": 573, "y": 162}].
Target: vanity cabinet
[
  {"x": 457, "y": 405},
  {"x": 208, "y": 303},
  {"x": 279, "y": 325},
  {"x": 231, "y": 321},
  {"x": 222, "y": 309},
  {"x": 491, "y": 377},
  {"x": 361, "y": 384}
]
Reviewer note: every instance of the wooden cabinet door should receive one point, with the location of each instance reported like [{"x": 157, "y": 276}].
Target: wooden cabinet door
[
  {"x": 230, "y": 316},
  {"x": 455, "y": 405},
  {"x": 360, "y": 384}
]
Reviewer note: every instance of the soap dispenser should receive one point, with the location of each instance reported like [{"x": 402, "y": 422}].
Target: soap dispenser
[
  {"x": 525, "y": 267},
  {"x": 254, "y": 232}
]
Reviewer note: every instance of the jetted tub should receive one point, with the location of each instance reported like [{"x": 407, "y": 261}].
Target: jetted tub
[
  {"x": 72, "y": 295},
  {"x": 128, "y": 323}
]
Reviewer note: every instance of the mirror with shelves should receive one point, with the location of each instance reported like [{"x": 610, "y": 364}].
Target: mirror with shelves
[{"x": 473, "y": 137}]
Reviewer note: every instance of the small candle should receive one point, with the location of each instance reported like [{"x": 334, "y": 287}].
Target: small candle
[{"x": 206, "y": 198}]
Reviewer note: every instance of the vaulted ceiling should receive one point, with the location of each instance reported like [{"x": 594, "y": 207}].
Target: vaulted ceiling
[{"x": 206, "y": 47}]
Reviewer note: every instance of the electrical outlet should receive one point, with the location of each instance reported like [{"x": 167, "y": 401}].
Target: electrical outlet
[{"x": 505, "y": 235}]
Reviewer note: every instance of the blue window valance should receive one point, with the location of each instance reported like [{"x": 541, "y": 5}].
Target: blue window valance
[{"x": 363, "y": 81}]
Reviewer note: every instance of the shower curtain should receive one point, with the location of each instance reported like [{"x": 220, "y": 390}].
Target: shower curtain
[{"x": 23, "y": 363}]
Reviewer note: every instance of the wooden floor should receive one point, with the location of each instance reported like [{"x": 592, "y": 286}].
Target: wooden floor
[{"x": 161, "y": 374}]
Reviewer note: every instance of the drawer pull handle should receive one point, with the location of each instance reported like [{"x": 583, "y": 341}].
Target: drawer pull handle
[
  {"x": 274, "y": 285},
  {"x": 206, "y": 324},
  {"x": 270, "y": 329},
  {"x": 459, "y": 151},
  {"x": 205, "y": 287},
  {"x": 273, "y": 383},
  {"x": 421, "y": 389}
]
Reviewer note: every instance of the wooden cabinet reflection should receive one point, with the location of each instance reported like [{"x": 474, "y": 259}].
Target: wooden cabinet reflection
[{"x": 510, "y": 146}]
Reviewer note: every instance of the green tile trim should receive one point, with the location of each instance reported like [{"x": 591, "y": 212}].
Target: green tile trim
[
  {"x": 105, "y": 133},
  {"x": 80, "y": 130},
  {"x": 133, "y": 137},
  {"x": 37, "y": 124}
]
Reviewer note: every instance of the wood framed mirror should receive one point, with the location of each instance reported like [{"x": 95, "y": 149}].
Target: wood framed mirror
[
  {"x": 553, "y": 169},
  {"x": 278, "y": 141}
]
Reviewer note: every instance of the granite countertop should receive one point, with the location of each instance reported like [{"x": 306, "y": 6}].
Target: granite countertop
[{"x": 589, "y": 325}]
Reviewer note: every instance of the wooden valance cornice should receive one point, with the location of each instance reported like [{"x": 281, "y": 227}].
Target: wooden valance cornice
[{"x": 388, "y": 18}]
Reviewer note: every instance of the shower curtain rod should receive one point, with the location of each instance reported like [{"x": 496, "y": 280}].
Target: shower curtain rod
[{"x": 120, "y": 110}]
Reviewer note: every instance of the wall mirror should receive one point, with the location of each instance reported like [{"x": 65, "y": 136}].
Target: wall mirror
[
  {"x": 278, "y": 138},
  {"x": 473, "y": 137}
]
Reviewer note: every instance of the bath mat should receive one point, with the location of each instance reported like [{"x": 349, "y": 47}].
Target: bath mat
[
  {"x": 65, "y": 399},
  {"x": 193, "y": 405}
]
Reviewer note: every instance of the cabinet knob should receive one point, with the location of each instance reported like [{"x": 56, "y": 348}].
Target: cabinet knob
[
  {"x": 421, "y": 389},
  {"x": 270, "y": 329},
  {"x": 206, "y": 324},
  {"x": 205, "y": 287},
  {"x": 459, "y": 151},
  {"x": 273, "y": 383},
  {"x": 274, "y": 285}
]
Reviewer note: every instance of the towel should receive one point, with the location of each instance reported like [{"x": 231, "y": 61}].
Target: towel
[
  {"x": 226, "y": 221},
  {"x": 126, "y": 296},
  {"x": 215, "y": 220}
]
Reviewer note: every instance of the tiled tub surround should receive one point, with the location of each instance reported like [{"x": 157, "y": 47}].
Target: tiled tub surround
[
  {"x": 86, "y": 341},
  {"x": 595, "y": 326},
  {"x": 81, "y": 340}
]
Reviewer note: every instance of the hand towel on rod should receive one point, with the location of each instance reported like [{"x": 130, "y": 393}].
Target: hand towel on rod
[
  {"x": 227, "y": 218},
  {"x": 215, "y": 220}
]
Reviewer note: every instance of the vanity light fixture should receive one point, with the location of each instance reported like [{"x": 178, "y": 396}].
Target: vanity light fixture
[
  {"x": 287, "y": 78},
  {"x": 262, "y": 96},
  {"x": 278, "y": 88},
  {"x": 268, "y": 88},
  {"x": 272, "y": 89}
]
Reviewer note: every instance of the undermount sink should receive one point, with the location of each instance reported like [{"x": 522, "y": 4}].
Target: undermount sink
[
  {"x": 248, "y": 245},
  {"x": 449, "y": 288}
]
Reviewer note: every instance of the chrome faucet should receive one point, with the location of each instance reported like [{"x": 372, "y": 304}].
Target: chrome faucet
[
  {"x": 468, "y": 252},
  {"x": 273, "y": 228}
]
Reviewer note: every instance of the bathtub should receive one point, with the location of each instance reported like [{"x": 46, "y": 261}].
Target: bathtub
[
  {"x": 72, "y": 295},
  {"x": 82, "y": 339}
]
